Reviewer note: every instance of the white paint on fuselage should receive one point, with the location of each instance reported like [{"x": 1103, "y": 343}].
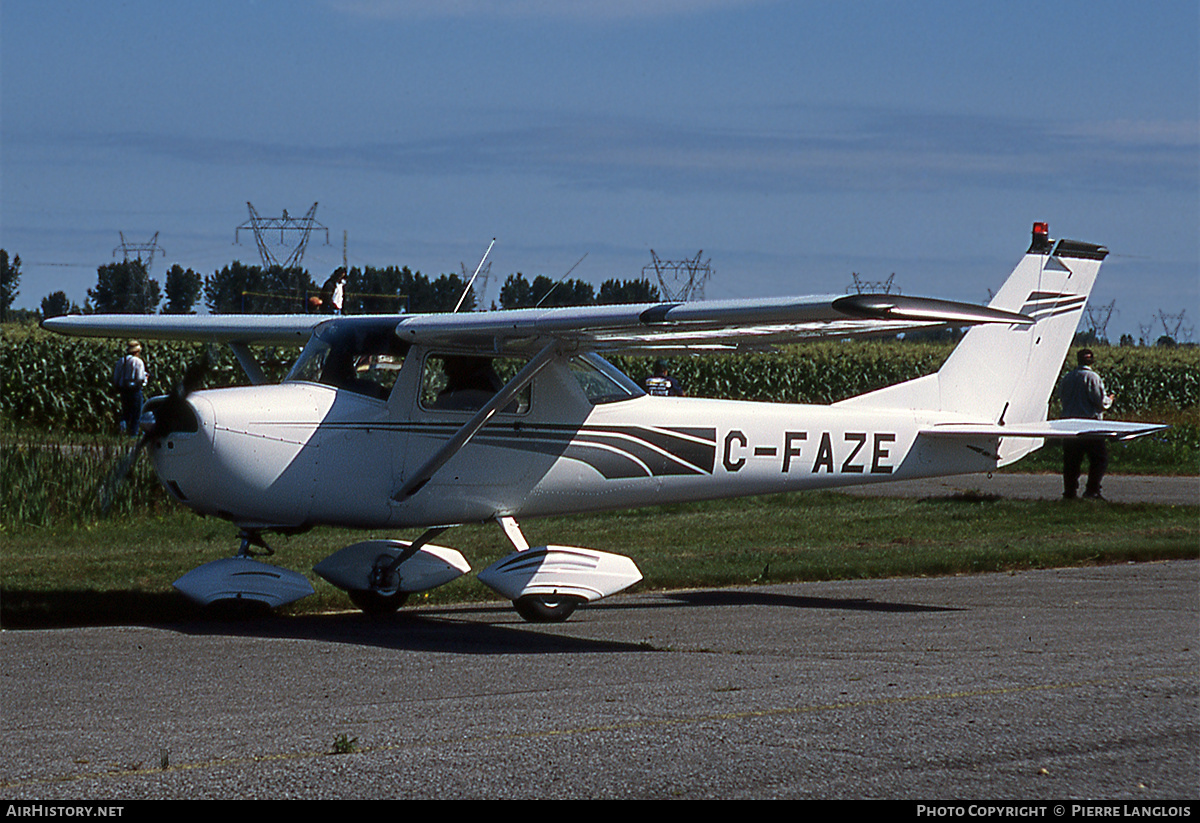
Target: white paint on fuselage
[{"x": 301, "y": 454}]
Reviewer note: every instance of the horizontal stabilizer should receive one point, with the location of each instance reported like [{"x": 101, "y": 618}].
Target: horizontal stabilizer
[{"x": 1048, "y": 429}]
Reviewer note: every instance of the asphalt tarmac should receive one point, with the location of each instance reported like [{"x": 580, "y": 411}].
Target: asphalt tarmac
[{"x": 1056, "y": 684}]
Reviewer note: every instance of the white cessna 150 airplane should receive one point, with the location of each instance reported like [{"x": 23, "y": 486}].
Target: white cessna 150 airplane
[{"x": 389, "y": 422}]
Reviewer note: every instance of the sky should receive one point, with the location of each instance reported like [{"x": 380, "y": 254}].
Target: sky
[{"x": 792, "y": 145}]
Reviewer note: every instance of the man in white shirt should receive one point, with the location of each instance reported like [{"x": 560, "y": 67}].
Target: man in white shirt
[{"x": 129, "y": 376}]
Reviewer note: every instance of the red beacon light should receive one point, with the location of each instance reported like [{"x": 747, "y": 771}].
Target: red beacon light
[{"x": 1041, "y": 237}]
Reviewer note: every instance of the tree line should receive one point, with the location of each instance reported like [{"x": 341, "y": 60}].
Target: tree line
[{"x": 126, "y": 288}]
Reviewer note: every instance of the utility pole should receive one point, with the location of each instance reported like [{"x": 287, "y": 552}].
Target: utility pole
[
  {"x": 1097, "y": 319},
  {"x": 1173, "y": 326}
]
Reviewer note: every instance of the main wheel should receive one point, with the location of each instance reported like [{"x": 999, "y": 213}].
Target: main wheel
[
  {"x": 376, "y": 604},
  {"x": 538, "y": 608}
]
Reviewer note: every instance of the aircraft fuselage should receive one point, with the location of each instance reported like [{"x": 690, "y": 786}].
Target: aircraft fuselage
[{"x": 303, "y": 453}]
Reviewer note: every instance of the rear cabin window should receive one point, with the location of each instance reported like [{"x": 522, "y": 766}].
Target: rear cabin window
[{"x": 459, "y": 382}]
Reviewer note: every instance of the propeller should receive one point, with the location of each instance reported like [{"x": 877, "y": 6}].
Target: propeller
[
  {"x": 160, "y": 416},
  {"x": 172, "y": 412},
  {"x": 107, "y": 493}
]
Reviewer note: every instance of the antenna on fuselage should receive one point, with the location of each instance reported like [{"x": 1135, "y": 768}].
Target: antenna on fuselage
[
  {"x": 560, "y": 280},
  {"x": 476, "y": 274}
]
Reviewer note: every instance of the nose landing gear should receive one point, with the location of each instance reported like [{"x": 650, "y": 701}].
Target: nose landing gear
[{"x": 242, "y": 578}]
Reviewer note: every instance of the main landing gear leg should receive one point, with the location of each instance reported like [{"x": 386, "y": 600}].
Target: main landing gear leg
[
  {"x": 384, "y": 597},
  {"x": 253, "y": 537}
]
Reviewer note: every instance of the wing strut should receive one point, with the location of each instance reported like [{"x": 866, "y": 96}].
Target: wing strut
[
  {"x": 513, "y": 532},
  {"x": 249, "y": 365},
  {"x": 463, "y": 436}
]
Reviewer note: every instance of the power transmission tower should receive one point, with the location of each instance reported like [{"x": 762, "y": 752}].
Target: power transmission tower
[
  {"x": 1145, "y": 332},
  {"x": 481, "y": 283},
  {"x": 1097, "y": 320},
  {"x": 1173, "y": 326},
  {"x": 136, "y": 250},
  {"x": 873, "y": 287},
  {"x": 262, "y": 225},
  {"x": 687, "y": 277}
]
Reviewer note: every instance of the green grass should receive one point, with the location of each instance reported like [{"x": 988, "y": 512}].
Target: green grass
[{"x": 120, "y": 570}]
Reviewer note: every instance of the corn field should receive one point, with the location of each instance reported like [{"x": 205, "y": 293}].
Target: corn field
[
  {"x": 57, "y": 384},
  {"x": 48, "y": 482},
  {"x": 1145, "y": 380},
  {"x": 57, "y": 406}
]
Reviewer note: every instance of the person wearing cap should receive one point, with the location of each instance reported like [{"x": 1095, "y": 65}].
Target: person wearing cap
[
  {"x": 129, "y": 377},
  {"x": 1083, "y": 397},
  {"x": 660, "y": 383}
]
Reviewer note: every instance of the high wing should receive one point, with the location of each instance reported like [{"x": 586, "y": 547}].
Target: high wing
[
  {"x": 655, "y": 327},
  {"x": 710, "y": 325},
  {"x": 251, "y": 329}
]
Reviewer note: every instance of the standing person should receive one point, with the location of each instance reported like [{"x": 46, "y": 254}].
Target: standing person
[
  {"x": 660, "y": 383},
  {"x": 333, "y": 293},
  {"x": 129, "y": 376},
  {"x": 1083, "y": 396}
]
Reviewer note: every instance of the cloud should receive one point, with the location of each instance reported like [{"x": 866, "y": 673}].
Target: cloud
[
  {"x": 577, "y": 10},
  {"x": 1184, "y": 134},
  {"x": 806, "y": 149}
]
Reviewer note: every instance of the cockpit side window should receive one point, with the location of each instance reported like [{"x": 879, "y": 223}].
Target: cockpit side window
[
  {"x": 458, "y": 382},
  {"x": 380, "y": 369}
]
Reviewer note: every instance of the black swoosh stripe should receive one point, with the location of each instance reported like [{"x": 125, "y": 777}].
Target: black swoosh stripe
[
  {"x": 613, "y": 451},
  {"x": 1042, "y": 304}
]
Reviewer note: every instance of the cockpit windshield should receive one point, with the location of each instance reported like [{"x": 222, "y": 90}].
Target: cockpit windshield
[{"x": 362, "y": 355}]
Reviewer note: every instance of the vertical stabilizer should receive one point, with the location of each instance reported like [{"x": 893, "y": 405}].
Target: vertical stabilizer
[{"x": 1003, "y": 374}]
